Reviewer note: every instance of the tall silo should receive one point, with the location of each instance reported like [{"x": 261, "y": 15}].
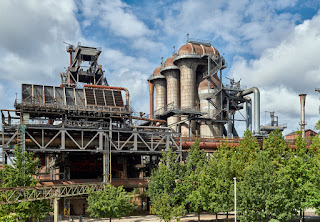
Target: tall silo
[
  {"x": 172, "y": 74},
  {"x": 159, "y": 82},
  {"x": 190, "y": 57}
]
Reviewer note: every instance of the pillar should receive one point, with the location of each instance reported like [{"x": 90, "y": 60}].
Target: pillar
[{"x": 56, "y": 209}]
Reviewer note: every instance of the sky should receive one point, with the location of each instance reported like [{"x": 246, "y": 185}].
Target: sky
[{"x": 270, "y": 44}]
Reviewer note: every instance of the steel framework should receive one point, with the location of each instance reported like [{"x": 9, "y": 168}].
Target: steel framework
[
  {"x": 24, "y": 194},
  {"x": 103, "y": 139}
]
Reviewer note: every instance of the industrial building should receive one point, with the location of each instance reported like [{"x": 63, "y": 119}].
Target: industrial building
[
  {"x": 191, "y": 97},
  {"x": 85, "y": 130}
]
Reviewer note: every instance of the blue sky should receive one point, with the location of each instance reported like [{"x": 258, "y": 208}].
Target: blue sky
[{"x": 272, "y": 44}]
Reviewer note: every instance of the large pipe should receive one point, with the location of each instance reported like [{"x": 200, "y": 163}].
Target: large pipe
[
  {"x": 206, "y": 145},
  {"x": 151, "y": 92},
  {"x": 110, "y": 87},
  {"x": 214, "y": 145},
  {"x": 248, "y": 113},
  {"x": 303, "y": 113},
  {"x": 256, "y": 94},
  {"x": 149, "y": 119}
]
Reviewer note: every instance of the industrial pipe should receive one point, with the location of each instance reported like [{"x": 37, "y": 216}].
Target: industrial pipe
[
  {"x": 130, "y": 183},
  {"x": 256, "y": 94},
  {"x": 149, "y": 119},
  {"x": 248, "y": 113},
  {"x": 151, "y": 90},
  {"x": 110, "y": 87},
  {"x": 205, "y": 145},
  {"x": 303, "y": 113}
]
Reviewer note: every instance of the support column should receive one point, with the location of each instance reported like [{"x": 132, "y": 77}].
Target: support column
[
  {"x": 56, "y": 209},
  {"x": 63, "y": 139},
  {"x": 110, "y": 150}
]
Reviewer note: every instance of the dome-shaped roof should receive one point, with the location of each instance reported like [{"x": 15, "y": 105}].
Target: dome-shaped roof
[
  {"x": 169, "y": 61},
  {"x": 198, "y": 49},
  {"x": 156, "y": 72}
]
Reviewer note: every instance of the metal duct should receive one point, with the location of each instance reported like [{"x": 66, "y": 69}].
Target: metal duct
[
  {"x": 248, "y": 113},
  {"x": 151, "y": 90},
  {"x": 256, "y": 94}
]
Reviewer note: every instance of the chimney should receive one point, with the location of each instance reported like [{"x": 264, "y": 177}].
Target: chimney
[
  {"x": 151, "y": 89},
  {"x": 303, "y": 113}
]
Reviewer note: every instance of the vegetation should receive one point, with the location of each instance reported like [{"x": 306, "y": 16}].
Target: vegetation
[
  {"x": 274, "y": 181},
  {"x": 114, "y": 202},
  {"x": 166, "y": 189},
  {"x": 21, "y": 173}
]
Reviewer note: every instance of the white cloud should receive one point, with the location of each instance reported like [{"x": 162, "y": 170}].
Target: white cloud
[
  {"x": 31, "y": 43},
  {"x": 116, "y": 16},
  {"x": 285, "y": 71},
  {"x": 130, "y": 72},
  {"x": 246, "y": 26}
]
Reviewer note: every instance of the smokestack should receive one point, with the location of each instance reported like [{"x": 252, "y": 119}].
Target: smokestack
[
  {"x": 303, "y": 113},
  {"x": 151, "y": 88}
]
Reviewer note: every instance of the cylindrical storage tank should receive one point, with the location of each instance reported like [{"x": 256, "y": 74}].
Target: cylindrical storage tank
[
  {"x": 187, "y": 63},
  {"x": 187, "y": 93},
  {"x": 159, "y": 82},
  {"x": 208, "y": 128},
  {"x": 172, "y": 74},
  {"x": 189, "y": 57}
]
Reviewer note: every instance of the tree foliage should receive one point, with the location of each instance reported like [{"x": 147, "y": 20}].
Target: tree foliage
[
  {"x": 164, "y": 207},
  {"x": 166, "y": 189},
  {"x": 114, "y": 202},
  {"x": 21, "y": 173},
  {"x": 275, "y": 180},
  {"x": 194, "y": 178}
]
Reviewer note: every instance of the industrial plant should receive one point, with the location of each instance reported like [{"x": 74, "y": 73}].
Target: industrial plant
[{"x": 86, "y": 133}]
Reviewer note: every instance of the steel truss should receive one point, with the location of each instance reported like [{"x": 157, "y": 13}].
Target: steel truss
[
  {"x": 24, "y": 194},
  {"x": 105, "y": 140},
  {"x": 42, "y": 138}
]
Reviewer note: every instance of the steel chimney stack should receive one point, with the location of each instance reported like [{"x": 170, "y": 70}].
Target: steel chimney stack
[{"x": 303, "y": 113}]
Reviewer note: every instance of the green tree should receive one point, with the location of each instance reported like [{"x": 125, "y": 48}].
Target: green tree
[
  {"x": 193, "y": 181},
  {"x": 114, "y": 202},
  {"x": 277, "y": 148},
  {"x": 245, "y": 154},
  {"x": 281, "y": 204},
  {"x": 303, "y": 173},
  {"x": 166, "y": 184},
  {"x": 21, "y": 173},
  {"x": 257, "y": 189},
  {"x": 220, "y": 180},
  {"x": 164, "y": 208}
]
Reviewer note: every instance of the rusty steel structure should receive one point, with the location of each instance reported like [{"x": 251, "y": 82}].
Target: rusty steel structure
[
  {"x": 84, "y": 129},
  {"x": 191, "y": 97}
]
